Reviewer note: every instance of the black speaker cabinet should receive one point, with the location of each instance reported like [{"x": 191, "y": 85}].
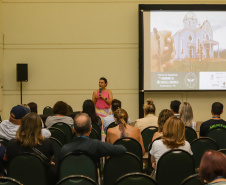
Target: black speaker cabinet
[{"x": 22, "y": 72}]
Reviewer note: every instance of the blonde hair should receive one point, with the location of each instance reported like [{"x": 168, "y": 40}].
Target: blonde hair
[
  {"x": 121, "y": 116},
  {"x": 29, "y": 132},
  {"x": 149, "y": 106},
  {"x": 186, "y": 113},
  {"x": 174, "y": 133}
]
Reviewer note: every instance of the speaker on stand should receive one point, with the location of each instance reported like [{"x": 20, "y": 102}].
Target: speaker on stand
[{"x": 22, "y": 75}]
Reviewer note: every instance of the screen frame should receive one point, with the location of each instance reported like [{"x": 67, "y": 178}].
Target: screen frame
[{"x": 149, "y": 7}]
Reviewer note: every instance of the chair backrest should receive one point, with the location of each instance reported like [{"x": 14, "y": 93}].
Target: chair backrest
[
  {"x": 70, "y": 110},
  {"x": 48, "y": 111},
  {"x": 76, "y": 180},
  {"x": 9, "y": 181},
  {"x": 58, "y": 134},
  {"x": 4, "y": 142},
  {"x": 116, "y": 167},
  {"x": 43, "y": 117},
  {"x": 113, "y": 124},
  {"x": 190, "y": 134},
  {"x": 66, "y": 130},
  {"x": 135, "y": 179},
  {"x": 193, "y": 180},
  {"x": 222, "y": 151},
  {"x": 199, "y": 146},
  {"x": 219, "y": 135},
  {"x": 131, "y": 145},
  {"x": 56, "y": 148},
  {"x": 97, "y": 128},
  {"x": 78, "y": 163},
  {"x": 174, "y": 166},
  {"x": 28, "y": 168},
  {"x": 94, "y": 134},
  {"x": 147, "y": 135}
]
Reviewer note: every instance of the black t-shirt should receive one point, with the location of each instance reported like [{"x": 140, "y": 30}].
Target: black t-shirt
[
  {"x": 207, "y": 125},
  {"x": 14, "y": 148}
]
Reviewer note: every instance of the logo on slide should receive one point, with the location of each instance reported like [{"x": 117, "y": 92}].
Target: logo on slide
[{"x": 190, "y": 80}]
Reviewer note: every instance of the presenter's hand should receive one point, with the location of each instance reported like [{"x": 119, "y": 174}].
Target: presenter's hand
[
  {"x": 162, "y": 50},
  {"x": 101, "y": 96}
]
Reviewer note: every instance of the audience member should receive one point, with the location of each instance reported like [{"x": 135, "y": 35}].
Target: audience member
[
  {"x": 173, "y": 138},
  {"x": 123, "y": 129},
  {"x": 89, "y": 108},
  {"x": 149, "y": 119},
  {"x": 60, "y": 110},
  {"x": 174, "y": 106},
  {"x": 217, "y": 110},
  {"x": 8, "y": 128},
  {"x": 163, "y": 116},
  {"x": 33, "y": 107},
  {"x": 109, "y": 119},
  {"x": 102, "y": 99},
  {"x": 29, "y": 139},
  {"x": 186, "y": 115},
  {"x": 82, "y": 143},
  {"x": 213, "y": 168}
]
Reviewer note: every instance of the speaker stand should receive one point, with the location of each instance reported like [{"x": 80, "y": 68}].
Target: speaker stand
[{"x": 20, "y": 92}]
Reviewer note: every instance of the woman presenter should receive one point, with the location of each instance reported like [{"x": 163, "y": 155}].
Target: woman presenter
[{"x": 102, "y": 99}]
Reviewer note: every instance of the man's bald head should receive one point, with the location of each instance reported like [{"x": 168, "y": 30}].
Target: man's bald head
[{"x": 82, "y": 123}]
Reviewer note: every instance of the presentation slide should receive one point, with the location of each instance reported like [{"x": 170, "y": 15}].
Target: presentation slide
[{"x": 184, "y": 50}]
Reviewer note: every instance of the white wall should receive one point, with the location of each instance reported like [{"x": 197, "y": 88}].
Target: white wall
[{"x": 70, "y": 44}]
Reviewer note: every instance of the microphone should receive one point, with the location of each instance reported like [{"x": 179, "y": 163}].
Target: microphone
[{"x": 99, "y": 91}]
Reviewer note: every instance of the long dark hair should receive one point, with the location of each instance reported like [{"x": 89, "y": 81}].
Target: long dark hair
[{"x": 89, "y": 108}]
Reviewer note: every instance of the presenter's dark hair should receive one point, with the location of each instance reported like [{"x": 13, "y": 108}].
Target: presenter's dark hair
[
  {"x": 82, "y": 127},
  {"x": 61, "y": 108},
  {"x": 104, "y": 79},
  {"x": 33, "y": 107},
  {"x": 115, "y": 104},
  {"x": 174, "y": 105},
  {"x": 217, "y": 108}
]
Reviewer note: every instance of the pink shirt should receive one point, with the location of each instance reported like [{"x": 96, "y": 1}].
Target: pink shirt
[{"x": 100, "y": 103}]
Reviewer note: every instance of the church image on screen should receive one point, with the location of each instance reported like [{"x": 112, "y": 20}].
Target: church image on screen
[{"x": 195, "y": 40}]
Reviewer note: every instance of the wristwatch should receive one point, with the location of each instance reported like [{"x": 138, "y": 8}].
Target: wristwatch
[{"x": 105, "y": 99}]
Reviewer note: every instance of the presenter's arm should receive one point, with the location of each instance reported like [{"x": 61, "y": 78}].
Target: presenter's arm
[
  {"x": 94, "y": 97},
  {"x": 107, "y": 100}
]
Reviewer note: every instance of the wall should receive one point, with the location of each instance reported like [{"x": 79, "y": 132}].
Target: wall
[
  {"x": 1, "y": 59},
  {"x": 70, "y": 44}
]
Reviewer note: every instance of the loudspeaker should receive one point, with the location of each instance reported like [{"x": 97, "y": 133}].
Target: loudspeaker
[{"x": 22, "y": 72}]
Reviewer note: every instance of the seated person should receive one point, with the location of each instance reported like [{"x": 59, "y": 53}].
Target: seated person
[
  {"x": 173, "y": 138},
  {"x": 8, "y": 128},
  {"x": 28, "y": 139},
  {"x": 89, "y": 108},
  {"x": 213, "y": 168},
  {"x": 60, "y": 110},
  {"x": 82, "y": 143},
  {"x": 186, "y": 115},
  {"x": 216, "y": 121},
  {"x": 163, "y": 116},
  {"x": 109, "y": 119},
  {"x": 123, "y": 129},
  {"x": 174, "y": 106},
  {"x": 149, "y": 119}
]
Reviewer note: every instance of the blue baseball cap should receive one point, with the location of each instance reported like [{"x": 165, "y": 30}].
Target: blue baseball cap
[{"x": 19, "y": 112}]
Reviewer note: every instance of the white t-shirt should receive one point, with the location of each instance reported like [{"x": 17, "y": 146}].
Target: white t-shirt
[{"x": 158, "y": 149}]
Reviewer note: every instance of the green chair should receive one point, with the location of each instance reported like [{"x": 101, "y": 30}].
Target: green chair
[
  {"x": 174, "y": 166},
  {"x": 94, "y": 134},
  {"x": 190, "y": 134},
  {"x": 76, "y": 180},
  {"x": 222, "y": 151},
  {"x": 56, "y": 148},
  {"x": 48, "y": 111},
  {"x": 28, "y": 168},
  {"x": 131, "y": 145},
  {"x": 115, "y": 167},
  {"x": 9, "y": 181},
  {"x": 135, "y": 179},
  {"x": 199, "y": 146},
  {"x": 58, "y": 134},
  {"x": 193, "y": 180},
  {"x": 219, "y": 135},
  {"x": 98, "y": 129},
  {"x": 66, "y": 130},
  {"x": 147, "y": 135},
  {"x": 78, "y": 163}
]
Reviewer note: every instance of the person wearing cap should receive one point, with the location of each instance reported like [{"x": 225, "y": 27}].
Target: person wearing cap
[{"x": 8, "y": 128}]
